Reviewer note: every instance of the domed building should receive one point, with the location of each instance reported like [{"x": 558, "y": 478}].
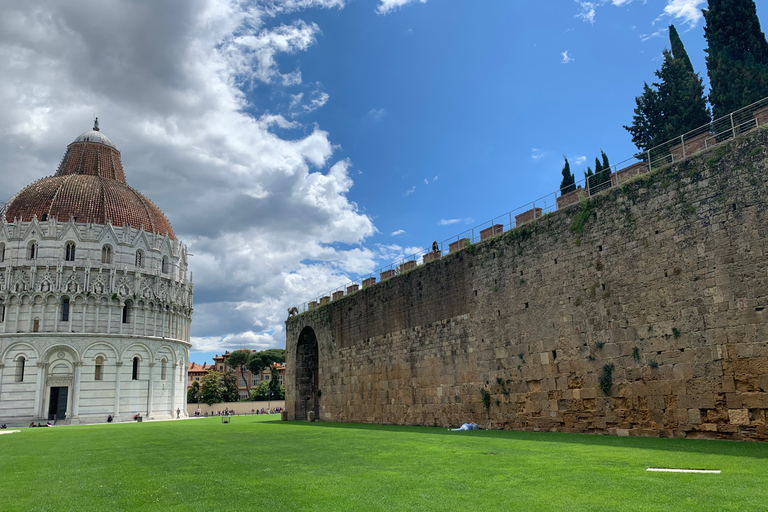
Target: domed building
[{"x": 95, "y": 304}]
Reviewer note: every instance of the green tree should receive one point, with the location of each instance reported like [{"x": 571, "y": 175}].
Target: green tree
[
  {"x": 212, "y": 388},
  {"x": 277, "y": 391},
  {"x": 737, "y": 55},
  {"x": 673, "y": 106},
  {"x": 606, "y": 163},
  {"x": 229, "y": 385},
  {"x": 261, "y": 392},
  {"x": 238, "y": 360},
  {"x": 265, "y": 358},
  {"x": 569, "y": 181},
  {"x": 193, "y": 393}
]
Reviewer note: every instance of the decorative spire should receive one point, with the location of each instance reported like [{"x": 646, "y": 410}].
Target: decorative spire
[{"x": 96, "y": 124}]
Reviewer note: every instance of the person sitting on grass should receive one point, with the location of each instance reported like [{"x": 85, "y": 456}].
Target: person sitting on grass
[{"x": 32, "y": 424}]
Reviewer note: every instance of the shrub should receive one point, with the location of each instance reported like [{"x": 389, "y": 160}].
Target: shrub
[{"x": 606, "y": 379}]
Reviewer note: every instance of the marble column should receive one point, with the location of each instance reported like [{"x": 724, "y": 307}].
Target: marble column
[
  {"x": 76, "y": 389},
  {"x": 149, "y": 388},
  {"x": 40, "y": 390},
  {"x": 118, "y": 365}
]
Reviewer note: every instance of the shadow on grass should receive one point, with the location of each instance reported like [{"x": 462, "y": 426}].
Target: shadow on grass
[{"x": 710, "y": 447}]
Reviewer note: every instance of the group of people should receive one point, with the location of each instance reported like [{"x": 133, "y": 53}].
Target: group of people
[
  {"x": 47, "y": 424},
  {"x": 273, "y": 410}
]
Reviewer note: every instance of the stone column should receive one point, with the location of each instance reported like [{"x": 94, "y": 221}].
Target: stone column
[
  {"x": 85, "y": 313},
  {"x": 2, "y": 365},
  {"x": 76, "y": 389},
  {"x": 109, "y": 317},
  {"x": 40, "y": 390},
  {"x": 149, "y": 388},
  {"x": 118, "y": 365},
  {"x": 173, "y": 391}
]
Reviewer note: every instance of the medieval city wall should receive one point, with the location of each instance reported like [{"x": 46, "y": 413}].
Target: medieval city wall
[{"x": 658, "y": 290}]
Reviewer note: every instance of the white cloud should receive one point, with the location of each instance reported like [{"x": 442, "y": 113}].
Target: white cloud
[
  {"x": 579, "y": 160},
  {"x": 448, "y": 222},
  {"x": 537, "y": 154},
  {"x": 267, "y": 218},
  {"x": 566, "y": 58},
  {"x": 410, "y": 191},
  {"x": 588, "y": 11},
  {"x": 398, "y": 232},
  {"x": 377, "y": 113},
  {"x": 386, "y": 6},
  {"x": 688, "y": 11},
  {"x": 426, "y": 181},
  {"x": 436, "y": 178}
]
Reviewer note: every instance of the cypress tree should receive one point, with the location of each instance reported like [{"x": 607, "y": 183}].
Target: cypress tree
[
  {"x": 606, "y": 163},
  {"x": 737, "y": 56},
  {"x": 569, "y": 181},
  {"x": 673, "y": 106}
]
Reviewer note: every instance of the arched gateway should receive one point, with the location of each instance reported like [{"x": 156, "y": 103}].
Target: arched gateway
[{"x": 307, "y": 375}]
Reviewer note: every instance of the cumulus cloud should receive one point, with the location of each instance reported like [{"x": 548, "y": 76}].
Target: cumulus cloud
[
  {"x": 410, "y": 191},
  {"x": 566, "y": 58},
  {"x": 398, "y": 232},
  {"x": 449, "y": 222},
  {"x": 386, "y": 6},
  {"x": 267, "y": 218},
  {"x": 579, "y": 160},
  {"x": 688, "y": 11},
  {"x": 377, "y": 113}
]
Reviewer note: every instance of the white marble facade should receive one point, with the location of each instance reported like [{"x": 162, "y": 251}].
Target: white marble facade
[{"x": 85, "y": 324}]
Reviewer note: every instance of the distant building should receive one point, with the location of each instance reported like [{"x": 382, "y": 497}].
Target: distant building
[
  {"x": 195, "y": 372},
  {"x": 220, "y": 365}
]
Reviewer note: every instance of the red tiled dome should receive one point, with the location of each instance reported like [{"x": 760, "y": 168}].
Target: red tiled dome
[{"x": 90, "y": 186}]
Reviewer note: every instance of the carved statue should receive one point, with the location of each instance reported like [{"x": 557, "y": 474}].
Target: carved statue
[{"x": 292, "y": 311}]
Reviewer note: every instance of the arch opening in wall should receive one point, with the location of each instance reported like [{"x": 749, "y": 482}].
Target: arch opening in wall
[
  {"x": 164, "y": 269},
  {"x": 127, "y": 312},
  {"x": 135, "y": 371},
  {"x": 139, "y": 258},
  {"x": 2, "y": 253},
  {"x": 99, "y": 369},
  {"x": 32, "y": 250},
  {"x": 106, "y": 254},
  {"x": 163, "y": 369},
  {"x": 2, "y": 311},
  {"x": 69, "y": 254},
  {"x": 307, "y": 375}
]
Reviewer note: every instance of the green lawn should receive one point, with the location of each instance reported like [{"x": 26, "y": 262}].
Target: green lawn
[{"x": 259, "y": 463}]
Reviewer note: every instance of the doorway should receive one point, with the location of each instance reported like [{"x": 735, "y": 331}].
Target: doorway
[
  {"x": 57, "y": 405},
  {"x": 307, "y": 375}
]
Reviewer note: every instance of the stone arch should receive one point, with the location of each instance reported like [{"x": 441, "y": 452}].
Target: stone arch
[{"x": 307, "y": 375}]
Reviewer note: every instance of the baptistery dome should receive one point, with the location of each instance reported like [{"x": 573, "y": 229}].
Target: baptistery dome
[
  {"x": 95, "y": 304},
  {"x": 89, "y": 186}
]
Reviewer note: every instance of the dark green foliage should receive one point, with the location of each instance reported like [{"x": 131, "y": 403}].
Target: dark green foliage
[
  {"x": 600, "y": 344},
  {"x": 193, "y": 393},
  {"x": 653, "y": 364},
  {"x": 737, "y": 56},
  {"x": 229, "y": 383},
  {"x": 569, "y": 181},
  {"x": 605, "y": 381},
  {"x": 212, "y": 388},
  {"x": 673, "y": 106},
  {"x": 486, "y": 397},
  {"x": 675, "y": 332},
  {"x": 581, "y": 218},
  {"x": 636, "y": 354}
]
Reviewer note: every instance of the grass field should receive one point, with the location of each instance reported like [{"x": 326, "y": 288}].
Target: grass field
[{"x": 260, "y": 463}]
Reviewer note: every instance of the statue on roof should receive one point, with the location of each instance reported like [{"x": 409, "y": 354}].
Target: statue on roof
[{"x": 96, "y": 124}]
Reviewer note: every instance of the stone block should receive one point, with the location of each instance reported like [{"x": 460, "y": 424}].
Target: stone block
[
  {"x": 405, "y": 267},
  {"x": 431, "y": 256},
  {"x": 387, "y": 274},
  {"x": 738, "y": 416},
  {"x": 369, "y": 282},
  {"x": 694, "y": 416}
]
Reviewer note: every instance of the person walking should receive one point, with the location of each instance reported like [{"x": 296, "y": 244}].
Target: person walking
[{"x": 178, "y": 412}]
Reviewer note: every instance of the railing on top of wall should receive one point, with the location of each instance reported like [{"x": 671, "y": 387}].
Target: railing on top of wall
[{"x": 672, "y": 151}]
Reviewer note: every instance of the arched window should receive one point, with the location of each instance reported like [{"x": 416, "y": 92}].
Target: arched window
[
  {"x": 2, "y": 253},
  {"x": 65, "y": 309},
  {"x": 165, "y": 265},
  {"x": 70, "y": 253},
  {"x": 98, "y": 375},
  {"x": 139, "y": 259},
  {"x": 106, "y": 254},
  {"x": 2, "y": 311},
  {"x": 36, "y": 325},
  {"x": 127, "y": 312},
  {"x": 135, "y": 374},
  {"x": 163, "y": 370},
  {"x": 32, "y": 252},
  {"x": 20, "y": 362}
]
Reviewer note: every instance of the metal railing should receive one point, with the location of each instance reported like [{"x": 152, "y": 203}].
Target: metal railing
[{"x": 703, "y": 138}]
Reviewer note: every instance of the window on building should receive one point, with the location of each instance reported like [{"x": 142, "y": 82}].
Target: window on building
[
  {"x": 65, "y": 309},
  {"x": 221, "y": 367},
  {"x": 20, "y": 362},
  {"x": 106, "y": 254},
  {"x": 266, "y": 377},
  {"x": 2, "y": 253},
  {"x": 139, "y": 259},
  {"x": 98, "y": 375},
  {"x": 197, "y": 378},
  {"x": 165, "y": 265},
  {"x": 70, "y": 252},
  {"x": 36, "y": 325},
  {"x": 135, "y": 374},
  {"x": 281, "y": 380},
  {"x": 32, "y": 252},
  {"x": 163, "y": 370},
  {"x": 127, "y": 312}
]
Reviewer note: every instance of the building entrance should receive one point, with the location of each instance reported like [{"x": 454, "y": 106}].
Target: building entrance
[
  {"x": 57, "y": 405},
  {"x": 307, "y": 386}
]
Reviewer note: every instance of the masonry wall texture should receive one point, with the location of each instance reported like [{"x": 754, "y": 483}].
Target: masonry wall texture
[{"x": 663, "y": 284}]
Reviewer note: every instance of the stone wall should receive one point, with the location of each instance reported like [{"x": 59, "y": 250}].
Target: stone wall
[{"x": 661, "y": 284}]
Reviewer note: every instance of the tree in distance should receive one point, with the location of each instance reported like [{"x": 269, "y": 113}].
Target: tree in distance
[
  {"x": 737, "y": 55},
  {"x": 211, "y": 388},
  {"x": 238, "y": 360},
  {"x": 569, "y": 181},
  {"x": 193, "y": 393},
  {"x": 673, "y": 106}
]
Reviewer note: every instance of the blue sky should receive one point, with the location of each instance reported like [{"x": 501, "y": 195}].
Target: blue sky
[{"x": 295, "y": 144}]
